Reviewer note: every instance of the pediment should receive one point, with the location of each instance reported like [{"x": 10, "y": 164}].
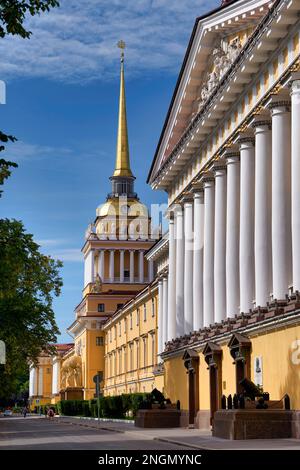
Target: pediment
[
  {"x": 211, "y": 348},
  {"x": 239, "y": 340},
  {"x": 190, "y": 354},
  {"x": 217, "y": 40}
]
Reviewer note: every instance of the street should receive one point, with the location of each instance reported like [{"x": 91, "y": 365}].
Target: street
[{"x": 41, "y": 434}]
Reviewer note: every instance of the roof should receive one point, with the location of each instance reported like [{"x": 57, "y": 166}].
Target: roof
[{"x": 224, "y": 4}]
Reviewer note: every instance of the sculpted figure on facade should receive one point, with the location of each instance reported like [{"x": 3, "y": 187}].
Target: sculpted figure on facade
[
  {"x": 71, "y": 374},
  {"x": 102, "y": 230},
  {"x": 97, "y": 286},
  {"x": 222, "y": 60}
]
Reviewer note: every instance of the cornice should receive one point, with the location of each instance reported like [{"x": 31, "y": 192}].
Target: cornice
[
  {"x": 224, "y": 82},
  {"x": 277, "y": 315}
]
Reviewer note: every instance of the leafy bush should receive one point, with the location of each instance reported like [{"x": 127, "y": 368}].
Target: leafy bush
[{"x": 114, "y": 407}]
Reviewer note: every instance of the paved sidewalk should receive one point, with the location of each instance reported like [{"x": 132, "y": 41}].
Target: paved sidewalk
[{"x": 189, "y": 438}]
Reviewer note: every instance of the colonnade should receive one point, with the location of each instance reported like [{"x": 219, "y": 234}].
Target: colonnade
[
  {"x": 234, "y": 240},
  {"x": 96, "y": 261}
]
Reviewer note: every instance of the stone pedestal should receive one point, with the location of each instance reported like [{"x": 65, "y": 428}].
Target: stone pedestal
[
  {"x": 71, "y": 393},
  {"x": 169, "y": 418},
  {"x": 202, "y": 420},
  {"x": 253, "y": 424}
]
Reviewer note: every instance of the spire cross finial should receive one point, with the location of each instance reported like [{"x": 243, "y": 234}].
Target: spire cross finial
[{"x": 121, "y": 45}]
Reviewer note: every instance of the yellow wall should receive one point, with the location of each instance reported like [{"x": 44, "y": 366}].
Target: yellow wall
[
  {"x": 280, "y": 374},
  {"x": 126, "y": 371},
  {"x": 176, "y": 382}
]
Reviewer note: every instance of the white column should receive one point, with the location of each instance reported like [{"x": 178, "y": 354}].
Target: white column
[
  {"x": 41, "y": 381},
  {"x": 188, "y": 266},
  {"x": 172, "y": 280},
  {"x": 141, "y": 266},
  {"x": 208, "y": 253},
  {"x": 101, "y": 264},
  {"x": 281, "y": 197},
  {"x": 150, "y": 270},
  {"x": 121, "y": 265},
  {"x": 131, "y": 266},
  {"x": 165, "y": 312},
  {"x": 198, "y": 260},
  {"x": 295, "y": 131},
  {"x": 89, "y": 268},
  {"x": 232, "y": 233},
  {"x": 112, "y": 265},
  {"x": 56, "y": 376},
  {"x": 263, "y": 210},
  {"x": 220, "y": 243},
  {"x": 247, "y": 222},
  {"x": 179, "y": 271},
  {"x": 160, "y": 316}
]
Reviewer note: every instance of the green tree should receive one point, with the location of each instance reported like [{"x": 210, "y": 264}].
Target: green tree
[
  {"x": 13, "y": 13},
  {"x": 29, "y": 281}
]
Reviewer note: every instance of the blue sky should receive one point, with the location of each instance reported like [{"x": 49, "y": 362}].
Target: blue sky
[{"x": 62, "y": 105}]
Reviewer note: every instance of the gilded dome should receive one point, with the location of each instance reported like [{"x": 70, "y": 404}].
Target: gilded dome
[{"x": 117, "y": 207}]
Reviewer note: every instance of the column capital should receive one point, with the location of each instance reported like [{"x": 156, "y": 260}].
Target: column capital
[
  {"x": 187, "y": 198},
  {"x": 207, "y": 179},
  {"x": 245, "y": 139},
  {"x": 261, "y": 122},
  {"x": 295, "y": 83},
  {"x": 197, "y": 188},
  {"x": 219, "y": 168},
  {"x": 280, "y": 103},
  {"x": 231, "y": 154}
]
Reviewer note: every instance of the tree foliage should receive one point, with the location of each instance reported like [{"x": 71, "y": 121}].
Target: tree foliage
[
  {"x": 29, "y": 282},
  {"x": 5, "y": 166},
  {"x": 13, "y": 14}
]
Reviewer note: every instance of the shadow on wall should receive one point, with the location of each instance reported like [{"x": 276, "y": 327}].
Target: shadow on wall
[{"x": 291, "y": 386}]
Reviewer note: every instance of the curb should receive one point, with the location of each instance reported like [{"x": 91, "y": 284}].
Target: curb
[
  {"x": 78, "y": 423},
  {"x": 183, "y": 444}
]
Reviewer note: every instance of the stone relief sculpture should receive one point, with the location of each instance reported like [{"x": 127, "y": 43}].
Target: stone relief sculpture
[
  {"x": 71, "y": 375},
  {"x": 102, "y": 230},
  {"x": 222, "y": 58},
  {"x": 123, "y": 230}
]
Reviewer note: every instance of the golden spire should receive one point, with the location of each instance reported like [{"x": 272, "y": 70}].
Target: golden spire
[{"x": 122, "y": 158}]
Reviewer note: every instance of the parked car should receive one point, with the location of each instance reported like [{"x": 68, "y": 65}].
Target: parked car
[{"x": 8, "y": 413}]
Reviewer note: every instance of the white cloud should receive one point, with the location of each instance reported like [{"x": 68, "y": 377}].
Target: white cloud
[
  {"x": 77, "y": 42},
  {"x": 56, "y": 248},
  {"x": 68, "y": 254},
  {"x": 20, "y": 151}
]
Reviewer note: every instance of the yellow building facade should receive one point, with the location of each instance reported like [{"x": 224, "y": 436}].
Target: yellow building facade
[
  {"x": 228, "y": 157},
  {"x": 216, "y": 299}
]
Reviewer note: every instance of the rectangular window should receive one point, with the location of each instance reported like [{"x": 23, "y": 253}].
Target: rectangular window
[
  {"x": 131, "y": 321},
  {"x": 120, "y": 329},
  {"x": 101, "y": 308},
  {"x": 115, "y": 331},
  {"x": 138, "y": 317},
  {"x": 99, "y": 341},
  {"x": 145, "y": 351},
  {"x": 153, "y": 308},
  {"x": 145, "y": 313}
]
